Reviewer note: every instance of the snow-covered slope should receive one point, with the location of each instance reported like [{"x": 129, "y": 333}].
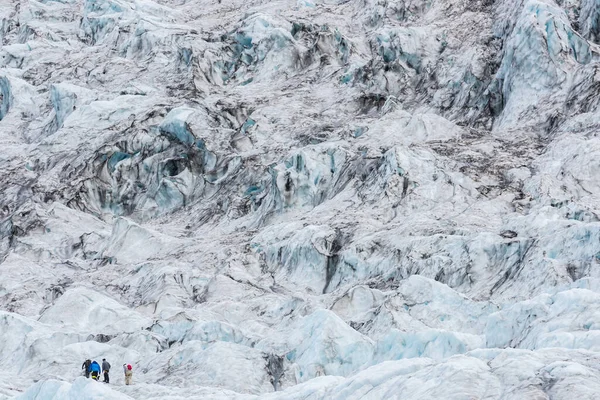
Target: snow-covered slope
[{"x": 308, "y": 199}]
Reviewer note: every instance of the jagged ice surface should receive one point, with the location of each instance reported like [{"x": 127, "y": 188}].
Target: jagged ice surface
[{"x": 300, "y": 199}]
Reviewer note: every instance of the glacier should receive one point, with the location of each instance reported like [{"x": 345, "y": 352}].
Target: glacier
[{"x": 300, "y": 199}]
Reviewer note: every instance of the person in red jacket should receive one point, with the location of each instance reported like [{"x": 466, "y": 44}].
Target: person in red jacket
[{"x": 128, "y": 373}]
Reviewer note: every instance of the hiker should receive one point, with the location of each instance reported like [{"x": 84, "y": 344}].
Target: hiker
[
  {"x": 95, "y": 369},
  {"x": 105, "y": 369},
  {"x": 86, "y": 367},
  {"x": 128, "y": 373}
]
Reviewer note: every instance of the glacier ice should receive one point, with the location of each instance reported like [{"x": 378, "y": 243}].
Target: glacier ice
[{"x": 300, "y": 199}]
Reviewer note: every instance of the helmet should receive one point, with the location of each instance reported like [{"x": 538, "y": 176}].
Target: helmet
[{"x": 129, "y": 367}]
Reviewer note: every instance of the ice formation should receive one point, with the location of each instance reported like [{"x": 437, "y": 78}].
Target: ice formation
[{"x": 303, "y": 199}]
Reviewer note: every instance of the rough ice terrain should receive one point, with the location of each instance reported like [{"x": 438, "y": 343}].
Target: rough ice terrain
[{"x": 300, "y": 199}]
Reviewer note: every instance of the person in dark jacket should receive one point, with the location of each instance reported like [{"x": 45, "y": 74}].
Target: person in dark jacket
[
  {"x": 105, "y": 369},
  {"x": 86, "y": 367},
  {"x": 95, "y": 369}
]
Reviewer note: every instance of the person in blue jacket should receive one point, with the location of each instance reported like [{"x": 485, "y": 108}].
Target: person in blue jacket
[{"x": 95, "y": 368}]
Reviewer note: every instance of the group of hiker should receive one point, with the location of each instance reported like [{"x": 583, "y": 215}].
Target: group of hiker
[{"x": 94, "y": 370}]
